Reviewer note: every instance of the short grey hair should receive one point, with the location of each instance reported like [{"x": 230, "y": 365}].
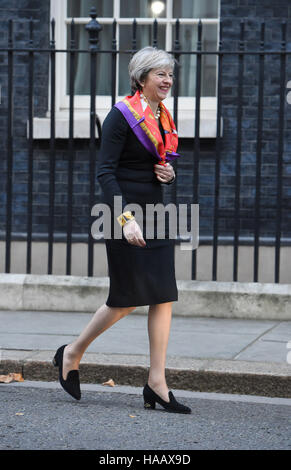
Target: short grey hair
[{"x": 144, "y": 61}]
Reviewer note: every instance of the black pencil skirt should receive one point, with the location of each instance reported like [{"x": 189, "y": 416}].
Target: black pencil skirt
[{"x": 141, "y": 275}]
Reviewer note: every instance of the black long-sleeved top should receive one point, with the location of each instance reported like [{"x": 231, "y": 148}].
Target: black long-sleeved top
[{"x": 125, "y": 167}]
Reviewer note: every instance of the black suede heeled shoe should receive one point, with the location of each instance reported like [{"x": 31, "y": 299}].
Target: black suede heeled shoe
[
  {"x": 72, "y": 383},
  {"x": 150, "y": 399}
]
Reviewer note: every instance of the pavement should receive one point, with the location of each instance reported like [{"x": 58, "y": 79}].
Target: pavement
[{"x": 222, "y": 355}]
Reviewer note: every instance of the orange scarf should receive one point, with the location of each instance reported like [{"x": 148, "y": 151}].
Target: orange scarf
[{"x": 142, "y": 121}]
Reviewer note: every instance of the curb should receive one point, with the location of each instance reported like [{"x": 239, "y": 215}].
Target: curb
[
  {"x": 265, "y": 301},
  {"x": 205, "y": 375}
]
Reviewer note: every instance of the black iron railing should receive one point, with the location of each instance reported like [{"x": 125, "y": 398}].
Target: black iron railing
[{"x": 94, "y": 29}]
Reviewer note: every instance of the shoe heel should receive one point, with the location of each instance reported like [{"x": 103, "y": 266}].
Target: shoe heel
[
  {"x": 54, "y": 362},
  {"x": 150, "y": 404}
]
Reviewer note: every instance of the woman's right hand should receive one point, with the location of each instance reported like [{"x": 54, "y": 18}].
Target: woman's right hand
[{"x": 133, "y": 234}]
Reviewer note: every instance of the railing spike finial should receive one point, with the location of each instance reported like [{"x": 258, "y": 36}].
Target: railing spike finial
[
  {"x": 93, "y": 28},
  {"x": 53, "y": 24}
]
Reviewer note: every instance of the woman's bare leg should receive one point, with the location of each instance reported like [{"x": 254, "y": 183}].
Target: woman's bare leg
[
  {"x": 159, "y": 323},
  {"x": 101, "y": 321}
]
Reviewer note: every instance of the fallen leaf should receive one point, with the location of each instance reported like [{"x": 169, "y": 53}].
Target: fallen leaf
[
  {"x": 132, "y": 416},
  {"x": 12, "y": 377},
  {"x": 110, "y": 383},
  {"x": 19, "y": 414}
]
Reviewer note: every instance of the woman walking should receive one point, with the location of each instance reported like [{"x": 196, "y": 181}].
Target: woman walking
[{"x": 139, "y": 139}]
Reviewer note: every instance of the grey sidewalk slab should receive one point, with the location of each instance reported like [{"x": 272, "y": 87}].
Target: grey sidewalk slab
[
  {"x": 71, "y": 322},
  {"x": 272, "y": 351},
  {"x": 204, "y": 354},
  {"x": 189, "y": 337},
  {"x": 281, "y": 332}
]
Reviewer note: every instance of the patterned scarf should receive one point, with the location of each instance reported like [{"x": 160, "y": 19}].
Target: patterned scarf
[{"x": 143, "y": 123}]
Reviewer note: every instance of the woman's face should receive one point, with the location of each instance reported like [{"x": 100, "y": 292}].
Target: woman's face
[{"x": 157, "y": 84}]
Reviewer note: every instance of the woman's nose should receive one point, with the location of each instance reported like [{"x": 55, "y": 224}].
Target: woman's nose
[{"x": 168, "y": 79}]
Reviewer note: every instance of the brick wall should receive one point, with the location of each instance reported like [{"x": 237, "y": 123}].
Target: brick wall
[
  {"x": 21, "y": 11},
  {"x": 253, "y": 12}
]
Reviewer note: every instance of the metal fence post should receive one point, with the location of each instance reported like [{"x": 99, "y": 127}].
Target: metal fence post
[
  {"x": 280, "y": 150},
  {"x": 9, "y": 149},
  {"x": 52, "y": 151},
  {"x": 93, "y": 28}
]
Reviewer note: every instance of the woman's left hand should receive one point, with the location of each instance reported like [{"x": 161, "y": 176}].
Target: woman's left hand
[{"x": 164, "y": 173}]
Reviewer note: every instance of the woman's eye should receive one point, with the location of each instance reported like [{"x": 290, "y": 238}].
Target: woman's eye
[{"x": 163, "y": 75}]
